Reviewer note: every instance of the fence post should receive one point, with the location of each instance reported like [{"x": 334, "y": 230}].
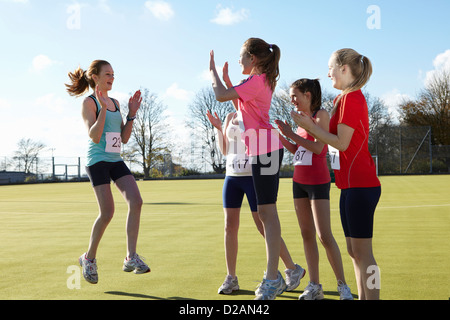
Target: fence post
[
  {"x": 431, "y": 152},
  {"x": 53, "y": 169}
]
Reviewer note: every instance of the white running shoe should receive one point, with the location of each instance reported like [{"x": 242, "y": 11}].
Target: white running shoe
[
  {"x": 229, "y": 285},
  {"x": 89, "y": 269},
  {"x": 269, "y": 289},
  {"x": 312, "y": 291},
  {"x": 344, "y": 291},
  {"x": 135, "y": 264},
  {"x": 293, "y": 277}
]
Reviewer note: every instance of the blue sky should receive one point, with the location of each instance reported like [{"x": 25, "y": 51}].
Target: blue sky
[{"x": 164, "y": 46}]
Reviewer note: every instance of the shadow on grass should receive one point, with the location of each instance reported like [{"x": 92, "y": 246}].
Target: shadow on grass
[
  {"x": 143, "y": 296},
  {"x": 169, "y": 203}
]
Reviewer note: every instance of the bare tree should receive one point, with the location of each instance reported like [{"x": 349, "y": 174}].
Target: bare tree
[
  {"x": 202, "y": 129},
  {"x": 149, "y": 141},
  {"x": 431, "y": 108},
  {"x": 27, "y": 154}
]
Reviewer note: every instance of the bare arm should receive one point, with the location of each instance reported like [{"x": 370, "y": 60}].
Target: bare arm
[
  {"x": 221, "y": 133},
  {"x": 222, "y": 93},
  {"x": 94, "y": 124},
  {"x": 340, "y": 141},
  {"x": 133, "y": 106}
]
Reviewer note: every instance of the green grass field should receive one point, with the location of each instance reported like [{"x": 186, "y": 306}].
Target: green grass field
[{"x": 46, "y": 227}]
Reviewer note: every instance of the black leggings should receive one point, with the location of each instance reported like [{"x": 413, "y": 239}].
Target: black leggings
[{"x": 266, "y": 176}]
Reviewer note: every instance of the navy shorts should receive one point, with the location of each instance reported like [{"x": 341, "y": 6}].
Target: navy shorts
[
  {"x": 310, "y": 191},
  {"x": 266, "y": 176},
  {"x": 357, "y": 207},
  {"x": 234, "y": 189},
  {"x": 103, "y": 172}
]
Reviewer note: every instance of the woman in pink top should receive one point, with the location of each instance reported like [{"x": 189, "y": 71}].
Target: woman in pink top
[
  {"x": 311, "y": 188},
  {"x": 252, "y": 99}
]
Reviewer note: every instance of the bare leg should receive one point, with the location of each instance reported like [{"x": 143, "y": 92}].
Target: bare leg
[
  {"x": 128, "y": 187},
  {"x": 106, "y": 207},
  {"x": 284, "y": 252},
  {"x": 272, "y": 230},
  {"x": 231, "y": 238}
]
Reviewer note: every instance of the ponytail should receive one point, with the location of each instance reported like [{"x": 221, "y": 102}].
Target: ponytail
[
  {"x": 360, "y": 66},
  {"x": 268, "y": 56},
  {"x": 79, "y": 84},
  {"x": 81, "y": 79}
]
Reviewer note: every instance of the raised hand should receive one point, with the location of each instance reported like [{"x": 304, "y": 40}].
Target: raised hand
[
  {"x": 134, "y": 103},
  {"x": 284, "y": 127},
  {"x": 226, "y": 76},
  {"x": 100, "y": 98},
  {"x": 302, "y": 120},
  {"x": 212, "y": 63},
  {"x": 215, "y": 121}
]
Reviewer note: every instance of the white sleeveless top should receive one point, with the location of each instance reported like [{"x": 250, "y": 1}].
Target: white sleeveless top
[{"x": 238, "y": 162}]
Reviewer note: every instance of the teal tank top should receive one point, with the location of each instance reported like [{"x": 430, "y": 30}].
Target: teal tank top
[{"x": 109, "y": 147}]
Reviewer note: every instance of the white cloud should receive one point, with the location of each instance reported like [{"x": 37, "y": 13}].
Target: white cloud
[
  {"x": 226, "y": 16},
  {"x": 392, "y": 99},
  {"x": 161, "y": 10},
  {"x": 42, "y": 62},
  {"x": 440, "y": 63},
  {"x": 180, "y": 94}
]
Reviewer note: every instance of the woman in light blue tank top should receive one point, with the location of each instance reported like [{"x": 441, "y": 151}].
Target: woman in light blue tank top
[{"x": 107, "y": 132}]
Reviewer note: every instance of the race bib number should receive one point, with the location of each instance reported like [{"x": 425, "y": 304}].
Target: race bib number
[
  {"x": 303, "y": 157},
  {"x": 113, "y": 142},
  {"x": 239, "y": 164},
  {"x": 334, "y": 158}
]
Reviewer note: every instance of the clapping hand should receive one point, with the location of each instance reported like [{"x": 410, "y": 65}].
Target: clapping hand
[
  {"x": 215, "y": 121},
  {"x": 134, "y": 104}
]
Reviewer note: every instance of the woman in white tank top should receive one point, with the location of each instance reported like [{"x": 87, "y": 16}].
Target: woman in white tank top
[{"x": 239, "y": 181}]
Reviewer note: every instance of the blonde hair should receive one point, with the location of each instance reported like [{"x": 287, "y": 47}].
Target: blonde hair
[
  {"x": 268, "y": 56},
  {"x": 360, "y": 67},
  {"x": 81, "y": 79}
]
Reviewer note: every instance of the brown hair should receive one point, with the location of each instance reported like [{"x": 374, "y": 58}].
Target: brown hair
[
  {"x": 81, "y": 79},
  {"x": 360, "y": 67},
  {"x": 313, "y": 87},
  {"x": 268, "y": 56}
]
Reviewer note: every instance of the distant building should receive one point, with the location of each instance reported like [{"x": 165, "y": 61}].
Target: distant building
[{"x": 7, "y": 177}]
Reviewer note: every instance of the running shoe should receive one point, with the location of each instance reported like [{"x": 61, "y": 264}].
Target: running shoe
[
  {"x": 89, "y": 269},
  {"x": 344, "y": 291},
  {"x": 293, "y": 277},
  {"x": 269, "y": 289},
  {"x": 312, "y": 291},
  {"x": 135, "y": 264},
  {"x": 229, "y": 285}
]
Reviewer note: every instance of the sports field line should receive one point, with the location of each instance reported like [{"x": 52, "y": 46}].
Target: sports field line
[{"x": 392, "y": 207}]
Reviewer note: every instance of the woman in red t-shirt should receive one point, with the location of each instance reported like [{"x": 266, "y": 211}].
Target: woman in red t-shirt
[
  {"x": 352, "y": 163},
  {"x": 311, "y": 188}
]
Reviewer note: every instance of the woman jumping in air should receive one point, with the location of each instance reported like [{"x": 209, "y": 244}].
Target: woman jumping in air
[
  {"x": 107, "y": 132},
  {"x": 253, "y": 97}
]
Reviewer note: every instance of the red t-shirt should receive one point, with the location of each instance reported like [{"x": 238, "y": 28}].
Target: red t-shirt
[
  {"x": 317, "y": 172},
  {"x": 357, "y": 168}
]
